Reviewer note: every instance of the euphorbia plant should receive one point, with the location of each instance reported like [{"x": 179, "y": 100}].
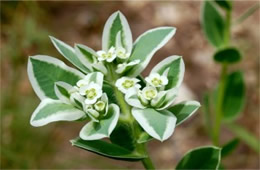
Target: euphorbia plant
[{"x": 109, "y": 93}]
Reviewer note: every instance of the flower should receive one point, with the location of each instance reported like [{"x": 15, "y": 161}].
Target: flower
[
  {"x": 121, "y": 53},
  {"x": 149, "y": 93},
  {"x": 92, "y": 92},
  {"x": 100, "y": 106},
  {"x": 156, "y": 80},
  {"x": 108, "y": 56},
  {"x": 125, "y": 83}
]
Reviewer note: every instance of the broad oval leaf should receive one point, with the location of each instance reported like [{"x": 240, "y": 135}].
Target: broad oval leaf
[
  {"x": 184, "y": 110},
  {"x": 98, "y": 130},
  {"x": 44, "y": 71},
  {"x": 234, "y": 96},
  {"x": 54, "y": 110},
  {"x": 69, "y": 53},
  {"x": 207, "y": 157},
  {"x": 227, "y": 55},
  {"x": 173, "y": 67},
  {"x": 159, "y": 125},
  {"x": 213, "y": 24},
  {"x": 146, "y": 45},
  {"x": 107, "y": 149},
  {"x": 117, "y": 23}
]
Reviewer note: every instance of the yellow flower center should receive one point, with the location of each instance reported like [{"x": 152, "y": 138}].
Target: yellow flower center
[
  {"x": 128, "y": 83},
  {"x": 150, "y": 94},
  {"x": 156, "y": 81},
  {"x": 91, "y": 93}
]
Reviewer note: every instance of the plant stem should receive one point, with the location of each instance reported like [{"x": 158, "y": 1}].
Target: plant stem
[
  {"x": 148, "y": 164},
  {"x": 246, "y": 14}
]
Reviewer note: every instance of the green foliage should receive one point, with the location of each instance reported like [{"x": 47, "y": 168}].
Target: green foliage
[
  {"x": 227, "y": 55},
  {"x": 107, "y": 149},
  {"x": 225, "y": 4},
  {"x": 229, "y": 147},
  {"x": 213, "y": 24},
  {"x": 201, "y": 158}
]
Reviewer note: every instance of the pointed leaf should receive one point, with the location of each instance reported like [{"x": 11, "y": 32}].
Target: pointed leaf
[
  {"x": 227, "y": 55},
  {"x": 98, "y": 130},
  {"x": 225, "y": 4},
  {"x": 174, "y": 68},
  {"x": 117, "y": 23},
  {"x": 184, "y": 110},
  {"x": 54, "y": 110},
  {"x": 207, "y": 157},
  {"x": 147, "y": 44},
  {"x": 62, "y": 91},
  {"x": 86, "y": 55},
  {"x": 144, "y": 137},
  {"x": 69, "y": 53},
  {"x": 212, "y": 24},
  {"x": 159, "y": 125},
  {"x": 229, "y": 147},
  {"x": 44, "y": 71},
  {"x": 107, "y": 149}
]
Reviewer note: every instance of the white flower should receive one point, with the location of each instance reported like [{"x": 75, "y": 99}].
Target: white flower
[
  {"x": 75, "y": 97},
  {"x": 100, "y": 106},
  {"x": 126, "y": 66},
  {"x": 82, "y": 83},
  {"x": 108, "y": 56},
  {"x": 92, "y": 92},
  {"x": 121, "y": 53},
  {"x": 149, "y": 93},
  {"x": 125, "y": 83},
  {"x": 156, "y": 80}
]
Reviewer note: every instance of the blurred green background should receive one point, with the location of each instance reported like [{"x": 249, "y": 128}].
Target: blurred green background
[{"x": 25, "y": 27}]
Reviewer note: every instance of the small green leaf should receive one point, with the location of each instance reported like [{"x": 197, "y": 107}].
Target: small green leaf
[
  {"x": 147, "y": 44},
  {"x": 245, "y": 136},
  {"x": 225, "y": 4},
  {"x": 97, "y": 130},
  {"x": 227, "y": 55},
  {"x": 69, "y": 53},
  {"x": 107, "y": 149},
  {"x": 207, "y": 157},
  {"x": 184, "y": 110},
  {"x": 213, "y": 24},
  {"x": 234, "y": 96},
  {"x": 86, "y": 55},
  {"x": 44, "y": 71},
  {"x": 144, "y": 137},
  {"x": 229, "y": 147},
  {"x": 175, "y": 68},
  {"x": 54, "y": 110},
  {"x": 160, "y": 125},
  {"x": 110, "y": 93}
]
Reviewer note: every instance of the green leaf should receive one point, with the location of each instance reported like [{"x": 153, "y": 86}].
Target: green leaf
[
  {"x": 144, "y": 137},
  {"x": 234, "y": 96},
  {"x": 245, "y": 136},
  {"x": 147, "y": 44},
  {"x": 107, "y": 149},
  {"x": 174, "y": 68},
  {"x": 184, "y": 110},
  {"x": 62, "y": 91},
  {"x": 110, "y": 93},
  {"x": 212, "y": 24},
  {"x": 97, "y": 130},
  {"x": 54, "y": 110},
  {"x": 86, "y": 55},
  {"x": 117, "y": 23},
  {"x": 44, "y": 71},
  {"x": 227, "y": 55},
  {"x": 229, "y": 147},
  {"x": 122, "y": 136},
  {"x": 69, "y": 53},
  {"x": 159, "y": 125},
  {"x": 225, "y": 4},
  {"x": 207, "y": 157}
]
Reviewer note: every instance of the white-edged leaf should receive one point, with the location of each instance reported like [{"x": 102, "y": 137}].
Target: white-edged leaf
[
  {"x": 147, "y": 44},
  {"x": 86, "y": 55},
  {"x": 44, "y": 71},
  {"x": 173, "y": 67},
  {"x": 99, "y": 66},
  {"x": 54, "y": 110},
  {"x": 132, "y": 99},
  {"x": 96, "y": 77},
  {"x": 159, "y": 125},
  {"x": 169, "y": 99},
  {"x": 62, "y": 91},
  {"x": 103, "y": 128},
  {"x": 115, "y": 23},
  {"x": 69, "y": 53},
  {"x": 184, "y": 110}
]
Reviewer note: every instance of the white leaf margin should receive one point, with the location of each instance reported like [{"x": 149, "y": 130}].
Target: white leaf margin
[{"x": 36, "y": 87}]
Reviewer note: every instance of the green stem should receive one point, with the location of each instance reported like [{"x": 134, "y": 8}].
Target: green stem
[
  {"x": 246, "y": 14},
  {"x": 227, "y": 28},
  {"x": 221, "y": 92},
  {"x": 127, "y": 117}
]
